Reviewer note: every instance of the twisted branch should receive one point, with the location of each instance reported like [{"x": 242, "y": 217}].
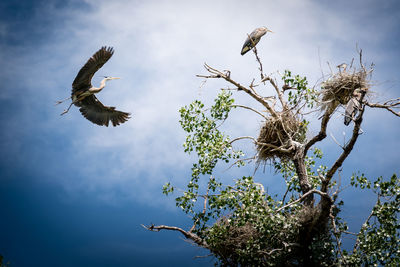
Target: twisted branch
[{"x": 189, "y": 235}]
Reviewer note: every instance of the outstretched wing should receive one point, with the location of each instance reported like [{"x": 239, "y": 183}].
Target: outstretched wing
[
  {"x": 84, "y": 77},
  {"x": 93, "y": 110},
  {"x": 248, "y": 44}
]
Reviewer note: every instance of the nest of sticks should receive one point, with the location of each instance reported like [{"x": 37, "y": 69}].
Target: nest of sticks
[
  {"x": 235, "y": 239},
  {"x": 275, "y": 136},
  {"x": 341, "y": 86}
]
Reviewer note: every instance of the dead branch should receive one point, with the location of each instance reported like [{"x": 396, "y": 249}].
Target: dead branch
[
  {"x": 389, "y": 105},
  {"x": 243, "y": 137},
  {"x": 250, "y": 91},
  {"x": 278, "y": 92},
  {"x": 191, "y": 236},
  {"x": 249, "y": 108}
]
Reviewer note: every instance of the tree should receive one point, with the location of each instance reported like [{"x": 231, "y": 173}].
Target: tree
[{"x": 241, "y": 224}]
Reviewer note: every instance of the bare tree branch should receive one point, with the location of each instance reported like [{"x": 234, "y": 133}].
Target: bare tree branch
[
  {"x": 191, "y": 236},
  {"x": 278, "y": 92},
  {"x": 218, "y": 74},
  {"x": 204, "y": 208},
  {"x": 249, "y": 108},
  {"x": 304, "y": 196},
  {"x": 388, "y": 105}
]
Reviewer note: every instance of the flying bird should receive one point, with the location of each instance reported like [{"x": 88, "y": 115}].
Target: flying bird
[
  {"x": 83, "y": 92},
  {"x": 253, "y": 39},
  {"x": 352, "y": 108}
]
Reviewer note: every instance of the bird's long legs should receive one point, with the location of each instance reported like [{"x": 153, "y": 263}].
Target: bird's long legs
[
  {"x": 65, "y": 111},
  {"x": 61, "y": 101},
  {"x": 74, "y": 100}
]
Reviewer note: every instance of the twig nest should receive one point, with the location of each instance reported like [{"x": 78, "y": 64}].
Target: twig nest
[
  {"x": 236, "y": 238},
  {"x": 341, "y": 87},
  {"x": 274, "y": 140}
]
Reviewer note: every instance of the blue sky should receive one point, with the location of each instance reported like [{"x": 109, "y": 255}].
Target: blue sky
[{"x": 74, "y": 194}]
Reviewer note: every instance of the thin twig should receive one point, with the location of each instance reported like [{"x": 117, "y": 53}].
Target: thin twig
[
  {"x": 240, "y": 160},
  {"x": 334, "y": 139},
  {"x": 257, "y": 58},
  {"x": 249, "y": 108},
  {"x": 322, "y": 194}
]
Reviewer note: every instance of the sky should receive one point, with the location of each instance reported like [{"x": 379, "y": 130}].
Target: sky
[{"x": 75, "y": 194}]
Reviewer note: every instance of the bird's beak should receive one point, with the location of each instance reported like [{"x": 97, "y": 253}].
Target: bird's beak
[
  {"x": 270, "y": 31},
  {"x": 115, "y": 78}
]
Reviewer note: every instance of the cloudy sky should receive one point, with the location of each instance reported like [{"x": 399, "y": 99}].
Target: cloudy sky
[{"x": 74, "y": 194}]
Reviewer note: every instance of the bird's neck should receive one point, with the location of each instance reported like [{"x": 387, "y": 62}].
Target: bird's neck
[
  {"x": 102, "y": 84},
  {"x": 95, "y": 90}
]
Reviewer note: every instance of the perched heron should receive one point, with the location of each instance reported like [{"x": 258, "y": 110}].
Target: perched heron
[
  {"x": 352, "y": 108},
  {"x": 253, "y": 39},
  {"x": 342, "y": 67},
  {"x": 83, "y": 92}
]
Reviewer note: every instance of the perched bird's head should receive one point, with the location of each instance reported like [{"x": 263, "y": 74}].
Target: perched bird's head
[{"x": 265, "y": 30}]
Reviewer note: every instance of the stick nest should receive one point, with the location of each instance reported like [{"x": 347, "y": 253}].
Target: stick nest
[
  {"x": 236, "y": 238},
  {"x": 275, "y": 135},
  {"x": 340, "y": 87}
]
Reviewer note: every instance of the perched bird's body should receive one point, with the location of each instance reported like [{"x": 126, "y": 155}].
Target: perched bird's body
[
  {"x": 352, "y": 108},
  {"x": 82, "y": 94},
  {"x": 253, "y": 39}
]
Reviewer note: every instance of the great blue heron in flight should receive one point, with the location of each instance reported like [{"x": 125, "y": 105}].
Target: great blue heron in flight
[
  {"x": 352, "y": 108},
  {"x": 253, "y": 39},
  {"x": 83, "y": 92}
]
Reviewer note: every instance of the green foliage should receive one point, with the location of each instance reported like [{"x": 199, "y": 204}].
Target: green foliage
[
  {"x": 207, "y": 141},
  {"x": 378, "y": 243},
  {"x": 299, "y": 92},
  {"x": 252, "y": 232}
]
